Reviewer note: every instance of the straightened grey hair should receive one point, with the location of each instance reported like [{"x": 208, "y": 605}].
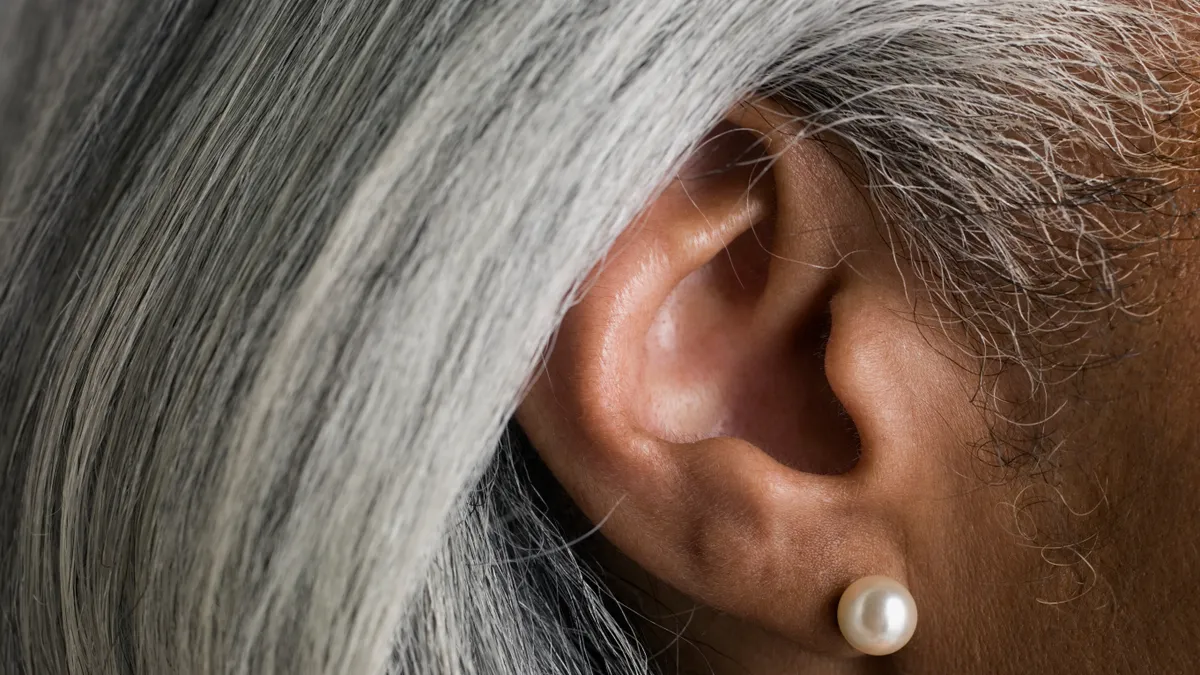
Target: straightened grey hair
[{"x": 274, "y": 274}]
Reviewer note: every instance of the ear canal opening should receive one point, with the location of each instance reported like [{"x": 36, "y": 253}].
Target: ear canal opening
[
  {"x": 737, "y": 349},
  {"x": 713, "y": 371},
  {"x": 843, "y": 438},
  {"x": 783, "y": 402}
]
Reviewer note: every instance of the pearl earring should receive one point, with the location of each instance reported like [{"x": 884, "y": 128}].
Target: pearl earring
[{"x": 877, "y": 615}]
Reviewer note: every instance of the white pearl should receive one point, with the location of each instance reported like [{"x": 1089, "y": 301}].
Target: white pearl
[{"x": 877, "y": 615}]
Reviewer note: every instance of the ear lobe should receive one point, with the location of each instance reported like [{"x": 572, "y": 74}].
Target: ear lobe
[{"x": 691, "y": 403}]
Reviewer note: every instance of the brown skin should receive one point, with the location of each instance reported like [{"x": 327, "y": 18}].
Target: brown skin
[{"x": 689, "y": 405}]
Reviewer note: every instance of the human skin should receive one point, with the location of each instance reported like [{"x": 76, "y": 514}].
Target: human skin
[{"x": 1077, "y": 559}]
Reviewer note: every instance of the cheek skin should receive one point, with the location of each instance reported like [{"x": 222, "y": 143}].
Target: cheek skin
[
  {"x": 1148, "y": 438},
  {"x": 1111, "y": 531},
  {"x": 1091, "y": 563},
  {"x": 1135, "y": 444},
  {"x": 1088, "y": 564}
]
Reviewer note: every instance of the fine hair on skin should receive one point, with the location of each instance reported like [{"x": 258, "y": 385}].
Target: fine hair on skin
[{"x": 274, "y": 274}]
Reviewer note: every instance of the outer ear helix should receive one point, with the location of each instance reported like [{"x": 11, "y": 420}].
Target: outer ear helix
[{"x": 702, "y": 493}]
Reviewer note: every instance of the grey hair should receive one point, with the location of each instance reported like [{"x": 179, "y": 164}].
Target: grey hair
[{"x": 273, "y": 276}]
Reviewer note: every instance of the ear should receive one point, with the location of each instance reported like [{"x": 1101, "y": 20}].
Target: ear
[{"x": 741, "y": 397}]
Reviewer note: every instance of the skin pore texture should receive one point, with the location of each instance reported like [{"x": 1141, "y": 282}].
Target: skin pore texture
[{"x": 755, "y": 405}]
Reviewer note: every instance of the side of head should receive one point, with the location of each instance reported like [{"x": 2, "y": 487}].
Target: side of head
[
  {"x": 761, "y": 397},
  {"x": 283, "y": 285}
]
